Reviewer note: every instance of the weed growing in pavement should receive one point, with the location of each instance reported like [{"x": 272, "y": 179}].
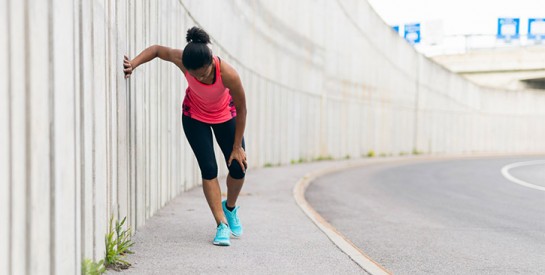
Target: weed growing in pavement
[
  {"x": 298, "y": 161},
  {"x": 88, "y": 267},
  {"x": 118, "y": 243},
  {"x": 322, "y": 158}
]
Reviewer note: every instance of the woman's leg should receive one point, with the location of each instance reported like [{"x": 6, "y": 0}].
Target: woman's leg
[
  {"x": 233, "y": 190},
  {"x": 199, "y": 136},
  {"x": 225, "y": 136},
  {"x": 212, "y": 192}
]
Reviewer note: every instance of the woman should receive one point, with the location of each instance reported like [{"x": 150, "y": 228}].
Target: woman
[{"x": 215, "y": 101}]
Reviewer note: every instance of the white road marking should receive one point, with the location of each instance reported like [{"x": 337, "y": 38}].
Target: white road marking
[{"x": 505, "y": 172}]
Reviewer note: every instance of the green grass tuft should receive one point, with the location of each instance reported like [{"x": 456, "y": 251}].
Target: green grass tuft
[
  {"x": 88, "y": 267},
  {"x": 322, "y": 158},
  {"x": 118, "y": 243}
]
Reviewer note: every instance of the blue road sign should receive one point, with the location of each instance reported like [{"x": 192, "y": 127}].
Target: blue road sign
[
  {"x": 396, "y": 28},
  {"x": 412, "y": 33},
  {"x": 536, "y": 28},
  {"x": 508, "y": 28}
]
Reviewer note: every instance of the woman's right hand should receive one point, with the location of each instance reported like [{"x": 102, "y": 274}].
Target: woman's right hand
[{"x": 128, "y": 67}]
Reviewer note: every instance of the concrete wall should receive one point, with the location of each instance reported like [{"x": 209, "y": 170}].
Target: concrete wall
[
  {"x": 78, "y": 142},
  {"x": 323, "y": 78}
]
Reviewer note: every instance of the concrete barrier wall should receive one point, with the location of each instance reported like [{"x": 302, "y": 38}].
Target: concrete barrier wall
[
  {"x": 78, "y": 142},
  {"x": 323, "y": 79}
]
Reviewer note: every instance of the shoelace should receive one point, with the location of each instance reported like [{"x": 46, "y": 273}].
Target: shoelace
[
  {"x": 235, "y": 215},
  {"x": 224, "y": 230}
]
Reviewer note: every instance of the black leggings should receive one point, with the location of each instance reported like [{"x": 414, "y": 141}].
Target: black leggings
[{"x": 199, "y": 136}]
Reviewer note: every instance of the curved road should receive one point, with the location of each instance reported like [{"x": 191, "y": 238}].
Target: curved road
[{"x": 446, "y": 216}]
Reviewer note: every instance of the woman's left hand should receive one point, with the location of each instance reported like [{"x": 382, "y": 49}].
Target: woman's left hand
[{"x": 239, "y": 155}]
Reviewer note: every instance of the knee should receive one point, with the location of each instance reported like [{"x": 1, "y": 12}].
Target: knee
[
  {"x": 209, "y": 171},
  {"x": 235, "y": 171}
]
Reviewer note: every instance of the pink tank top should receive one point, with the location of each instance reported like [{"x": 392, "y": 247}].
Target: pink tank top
[{"x": 209, "y": 103}]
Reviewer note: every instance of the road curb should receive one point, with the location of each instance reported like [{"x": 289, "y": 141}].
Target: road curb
[{"x": 343, "y": 243}]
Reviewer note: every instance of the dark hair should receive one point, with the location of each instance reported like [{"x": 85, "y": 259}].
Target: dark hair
[{"x": 196, "y": 54}]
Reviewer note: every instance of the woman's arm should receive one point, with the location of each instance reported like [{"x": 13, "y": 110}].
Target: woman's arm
[
  {"x": 232, "y": 81},
  {"x": 165, "y": 53}
]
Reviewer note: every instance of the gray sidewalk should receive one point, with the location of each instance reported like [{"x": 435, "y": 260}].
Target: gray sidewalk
[{"x": 278, "y": 236}]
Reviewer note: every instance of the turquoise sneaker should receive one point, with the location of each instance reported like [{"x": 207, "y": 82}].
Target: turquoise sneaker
[
  {"x": 222, "y": 235},
  {"x": 232, "y": 219}
]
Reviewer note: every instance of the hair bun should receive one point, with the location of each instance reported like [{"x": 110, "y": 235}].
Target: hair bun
[{"x": 197, "y": 35}]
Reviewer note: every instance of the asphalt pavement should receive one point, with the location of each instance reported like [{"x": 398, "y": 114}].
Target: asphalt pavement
[{"x": 441, "y": 216}]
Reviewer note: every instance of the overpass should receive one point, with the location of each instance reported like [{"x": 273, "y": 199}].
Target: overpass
[
  {"x": 513, "y": 68},
  {"x": 324, "y": 79}
]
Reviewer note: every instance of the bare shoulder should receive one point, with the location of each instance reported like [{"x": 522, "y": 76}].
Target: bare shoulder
[
  {"x": 176, "y": 58},
  {"x": 229, "y": 74},
  {"x": 176, "y": 53}
]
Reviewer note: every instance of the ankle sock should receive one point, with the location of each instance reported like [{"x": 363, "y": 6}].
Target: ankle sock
[{"x": 229, "y": 208}]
